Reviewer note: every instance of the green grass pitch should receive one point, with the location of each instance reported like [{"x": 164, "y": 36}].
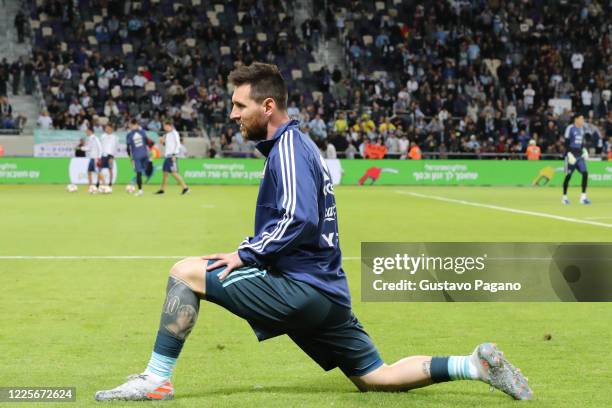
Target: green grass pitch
[{"x": 89, "y": 323}]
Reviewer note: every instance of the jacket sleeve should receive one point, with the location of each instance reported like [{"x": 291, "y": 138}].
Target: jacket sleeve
[{"x": 296, "y": 216}]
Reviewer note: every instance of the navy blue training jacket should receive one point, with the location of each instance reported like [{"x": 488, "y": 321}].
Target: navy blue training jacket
[{"x": 296, "y": 225}]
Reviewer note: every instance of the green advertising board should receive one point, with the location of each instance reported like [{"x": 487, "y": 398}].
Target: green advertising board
[
  {"x": 467, "y": 172},
  {"x": 74, "y": 170},
  {"x": 346, "y": 172}
]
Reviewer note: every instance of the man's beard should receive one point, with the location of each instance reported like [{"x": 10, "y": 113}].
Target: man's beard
[{"x": 255, "y": 132}]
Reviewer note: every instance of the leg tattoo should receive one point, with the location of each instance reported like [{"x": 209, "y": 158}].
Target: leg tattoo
[{"x": 180, "y": 310}]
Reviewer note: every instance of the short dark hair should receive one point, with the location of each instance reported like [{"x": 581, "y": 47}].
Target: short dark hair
[
  {"x": 266, "y": 82},
  {"x": 133, "y": 121},
  {"x": 168, "y": 122}
]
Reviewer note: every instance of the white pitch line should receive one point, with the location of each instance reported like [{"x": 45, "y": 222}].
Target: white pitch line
[
  {"x": 507, "y": 209},
  {"x": 109, "y": 257}
]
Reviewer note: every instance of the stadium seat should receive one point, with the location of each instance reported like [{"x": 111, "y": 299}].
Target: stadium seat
[{"x": 314, "y": 67}]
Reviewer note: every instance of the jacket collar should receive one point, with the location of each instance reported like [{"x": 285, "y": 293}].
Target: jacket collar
[{"x": 266, "y": 145}]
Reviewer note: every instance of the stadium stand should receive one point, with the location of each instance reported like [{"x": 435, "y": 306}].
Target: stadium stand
[
  {"x": 478, "y": 76},
  {"x": 456, "y": 78},
  {"x": 153, "y": 58}
]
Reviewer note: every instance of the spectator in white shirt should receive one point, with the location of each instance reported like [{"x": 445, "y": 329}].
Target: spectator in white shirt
[
  {"x": 528, "y": 96},
  {"x": 75, "y": 108},
  {"x": 103, "y": 82},
  {"x": 156, "y": 100},
  {"x": 587, "y": 98},
  {"x": 317, "y": 126},
  {"x": 111, "y": 109},
  {"x": 86, "y": 101},
  {"x": 140, "y": 80},
  {"x": 577, "y": 61},
  {"x": 44, "y": 120}
]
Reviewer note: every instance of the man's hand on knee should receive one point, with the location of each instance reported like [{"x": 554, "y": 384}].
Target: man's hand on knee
[{"x": 231, "y": 261}]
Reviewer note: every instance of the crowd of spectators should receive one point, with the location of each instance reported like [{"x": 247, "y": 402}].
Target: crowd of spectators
[
  {"x": 448, "y": 76},
  {"x": 11, "y": 77},
  {"x": 479, "y": 76},
  {"x": 105, "y": 60}
]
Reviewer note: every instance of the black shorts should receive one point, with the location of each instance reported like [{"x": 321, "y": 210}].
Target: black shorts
[
  {"x": 92, "y": 166},
  {"x": 105, "y": 161},
  {"x": 275, "y": 305},
  {"x": 170, "y": 165}
]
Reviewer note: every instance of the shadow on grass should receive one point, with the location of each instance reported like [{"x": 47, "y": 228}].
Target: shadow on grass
[{"x": 348, "y": 391}]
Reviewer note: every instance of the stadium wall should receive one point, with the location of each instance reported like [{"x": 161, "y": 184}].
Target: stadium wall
[
  {"x": 31, "y": 170},
  {"x": 17, "y": 145}
]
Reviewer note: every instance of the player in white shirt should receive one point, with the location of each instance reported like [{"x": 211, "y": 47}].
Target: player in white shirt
[
  {"x": 109, "y": 149},
  {"x": 172, "y": 142},
  {"x": 93, "y": 148}
]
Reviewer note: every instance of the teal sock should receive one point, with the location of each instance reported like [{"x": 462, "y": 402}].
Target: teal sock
[
  {"x": 161, "y": 366},
  {"x": 462, "y": 368}
]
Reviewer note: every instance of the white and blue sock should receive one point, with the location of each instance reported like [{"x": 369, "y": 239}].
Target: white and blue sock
[
  {"x": 453, "y": 368},
  {"x": 160, "y": 367},
  {"x": 462, "y": 368}
]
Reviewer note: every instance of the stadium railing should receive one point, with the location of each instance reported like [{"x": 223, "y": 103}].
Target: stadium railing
[{"x": 427, "y": 155}]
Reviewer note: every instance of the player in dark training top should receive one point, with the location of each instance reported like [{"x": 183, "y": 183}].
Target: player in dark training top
[
  {"x": 575, "y": 157},
  {"x": 287, "y": 279},
  {"x": 138, "y": 151}
]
